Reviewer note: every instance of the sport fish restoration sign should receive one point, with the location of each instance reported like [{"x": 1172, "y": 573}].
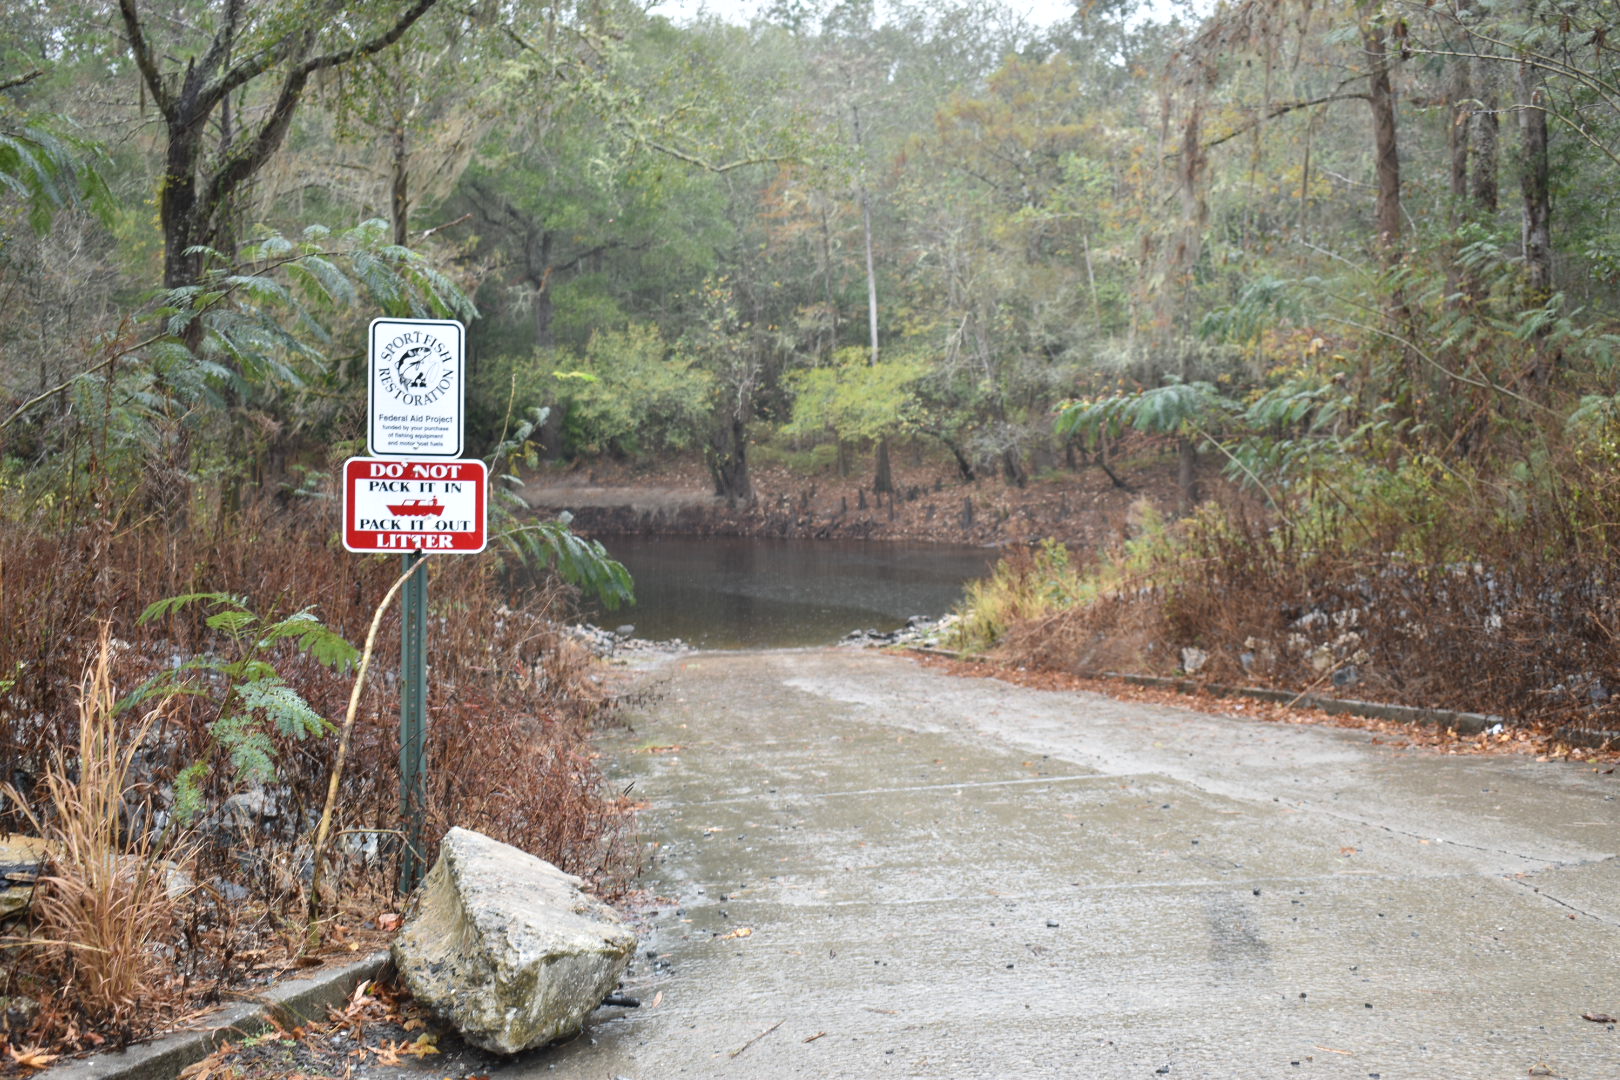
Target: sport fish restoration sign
[
  {"x": 402, "y": 506},
  {"x": 418, "y": 388}
]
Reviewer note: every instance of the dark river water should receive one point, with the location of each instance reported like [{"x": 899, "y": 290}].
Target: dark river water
[{"x": 728, "y": 593}]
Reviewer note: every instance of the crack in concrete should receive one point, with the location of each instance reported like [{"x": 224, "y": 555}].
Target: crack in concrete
[
  {"x": 1542, "y": 860},
  {"x": 1195, "y": 886},
  {"x": 960, "y": 785},
  {"x": 1527, "y": 882}
]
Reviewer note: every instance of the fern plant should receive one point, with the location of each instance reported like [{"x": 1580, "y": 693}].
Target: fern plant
[
  {"x": 47, "y": 170},
  {"x": 584, "y": 564},
  {"x": 254, "y": 703}
]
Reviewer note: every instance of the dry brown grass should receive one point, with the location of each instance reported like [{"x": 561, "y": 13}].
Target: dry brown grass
[
  {"x": 112, "y": 894},
  {"x": 511, "y": 708},
  {"x": 1525, "y": 626}
]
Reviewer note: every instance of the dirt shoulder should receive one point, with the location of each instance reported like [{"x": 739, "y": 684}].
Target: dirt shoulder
[{"x": 931, "y": 503}]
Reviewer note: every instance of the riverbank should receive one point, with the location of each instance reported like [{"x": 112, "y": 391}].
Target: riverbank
[{"x": 931, "y": 503}]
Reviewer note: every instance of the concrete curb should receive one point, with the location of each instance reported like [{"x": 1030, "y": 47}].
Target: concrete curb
[
  {"x": 1466, "y": 723},
  {"x": 292, "y": 1002}
]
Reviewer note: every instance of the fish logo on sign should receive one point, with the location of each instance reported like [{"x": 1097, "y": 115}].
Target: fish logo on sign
[
  {"x": 413, "y": 367},
  {"x": 418, "y": 374}
]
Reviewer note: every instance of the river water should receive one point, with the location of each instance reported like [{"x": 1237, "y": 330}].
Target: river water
[{"x": 732, "y": 593}]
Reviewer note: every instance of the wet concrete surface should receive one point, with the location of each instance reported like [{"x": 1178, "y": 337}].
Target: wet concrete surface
[{"x": 879, "y": 870}]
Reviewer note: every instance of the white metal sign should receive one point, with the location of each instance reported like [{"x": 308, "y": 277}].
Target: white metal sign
[{"x": 418, "y": 388}]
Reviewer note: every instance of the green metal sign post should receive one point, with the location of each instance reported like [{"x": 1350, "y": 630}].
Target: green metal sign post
[
  {"x": 413, "y": 718},
  {"x": 415, "y": 494},
  {"x": 414, "y": 508}
]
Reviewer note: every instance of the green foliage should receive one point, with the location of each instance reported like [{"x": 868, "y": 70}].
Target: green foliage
[
  {"x": 263, "y": 318},
  {"x": 1023, "y": 586},
  {"x": 1264, "y": 304},
  {"x": 1174, "y": 409},
  {"x": 254, "y": 704},
  {"x": 583, "y": 563},
  {"x": 544, "y": 545},
  {"x": 47, "y": 171},
  {"x": 253, "y": 354},
  {"x": 632, "y": 393},
  {"x": 853, "y": 399}
]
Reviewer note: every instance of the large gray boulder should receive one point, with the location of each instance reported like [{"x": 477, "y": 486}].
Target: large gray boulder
[{"x": 505, "y": 947}]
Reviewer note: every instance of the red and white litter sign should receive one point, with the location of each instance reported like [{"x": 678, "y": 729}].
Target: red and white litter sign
[{"x": 395, "y": 505}]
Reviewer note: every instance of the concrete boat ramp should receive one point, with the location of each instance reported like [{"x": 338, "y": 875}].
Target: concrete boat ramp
[{"x": 879, "y": 870}]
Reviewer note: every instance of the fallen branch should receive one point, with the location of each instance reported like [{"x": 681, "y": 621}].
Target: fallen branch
[{"x": 756, "y": 1038}]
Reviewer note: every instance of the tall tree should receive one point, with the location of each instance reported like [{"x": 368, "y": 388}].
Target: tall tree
[{"x": 197, "y": 80}]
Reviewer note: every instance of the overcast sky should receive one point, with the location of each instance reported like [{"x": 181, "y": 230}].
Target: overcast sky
[{"x": 1039, "y": 12}]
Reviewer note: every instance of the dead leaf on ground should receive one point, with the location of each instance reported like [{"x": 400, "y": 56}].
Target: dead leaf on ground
[
  {"x": 422, "y": 1047},
  {"x": 740, "y": 932},
  {"x": 1599, "y": 1018},
  {"x": 31, "y": 1057}
]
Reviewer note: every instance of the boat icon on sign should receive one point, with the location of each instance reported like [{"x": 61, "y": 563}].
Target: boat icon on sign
[{"x": 417, "y": 508}]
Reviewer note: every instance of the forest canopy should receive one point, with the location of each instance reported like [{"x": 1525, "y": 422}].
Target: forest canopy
[{"x": 1346, "y": 231}]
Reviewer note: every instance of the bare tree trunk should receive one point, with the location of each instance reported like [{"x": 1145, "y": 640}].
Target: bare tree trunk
[
  {"x": 537, "y": 268},
  {"x": 191, "y": 198},
  {"x": 1486, "y": 136},
  {"x": 1012, "y": 467},
  {"x": 871, "y": 274},
  {"x": 1534, "y": 183},
  {"x": 866, "y": 233},
  {"x": 1186, "y": 472},
  {"x": 827, "y": 284},
  {"x": 883, "y": 478},
  {"x": 1481, "y": 196},
  {"x": 1091, "y": 279},
  {"x": 1387, "y": 161},
  {"x": 399, "y": 203},
  {"x": 1387, "y": 171},
  {"x": 728, "y": 463},
  {"x": 964, "y": 467},
  {"x": 1536, "y": 188},
  {"x": 1459, "y": 93}
]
